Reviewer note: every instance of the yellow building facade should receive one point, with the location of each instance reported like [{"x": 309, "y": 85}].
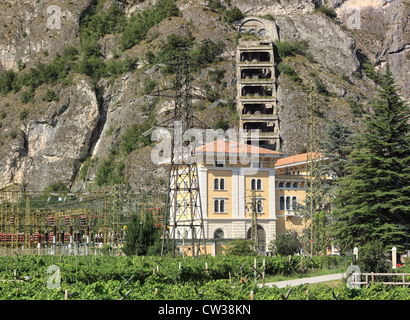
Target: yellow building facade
[{"x": 228, "y": 184}]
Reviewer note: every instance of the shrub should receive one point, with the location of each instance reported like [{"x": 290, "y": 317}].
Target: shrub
[
  {"x": 207, "y": 52},
  {"x": 23, "y": 114},
  {"x": 371, "y": 258},
  {"x": 137, "y": 28},
  {"x": 134, "y": 137},
  {"x": 110, "y": 173},
  {"x": 328, "y": 11},
  {"x": 6, "y": 81},
  {"x": 27, "y": 96},
  {"x": 285, "y": 244},
  {"x": 222, "y": 124},
  {"x": 290, "y": 48},
  {"x": 149, "y": 86},
  {"x": 97, "y": 23},
  {"x": 50, "y": 95},
  {"x": 13, "y": 134},
  {"x": 241, "y": 247},
  {"x": 321, "y": 88},
  {"x": 233, "y": 15},
  {"x": 288, "y": 70},
  {"x": 57, "y": 186}
]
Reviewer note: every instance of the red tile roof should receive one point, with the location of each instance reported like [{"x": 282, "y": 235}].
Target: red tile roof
[
  {"x": 234, "y": 147},
  {"x": 298, "y": 158}
]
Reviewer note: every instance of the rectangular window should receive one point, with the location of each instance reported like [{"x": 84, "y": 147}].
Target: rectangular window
[{"x": 219, "y": 164}]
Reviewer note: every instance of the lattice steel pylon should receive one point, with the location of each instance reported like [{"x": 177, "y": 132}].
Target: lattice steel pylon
[
  {"x": 313, "y": 189},
  {"x": 183, "y": 215},
  {"x": 254, "y": 222}
]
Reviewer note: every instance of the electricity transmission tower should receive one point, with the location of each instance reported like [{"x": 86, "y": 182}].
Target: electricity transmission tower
[
  {"x": 314, "y": 188},
  {"x": 254, "y": 222},
  {"x": 183, "y": 215}
]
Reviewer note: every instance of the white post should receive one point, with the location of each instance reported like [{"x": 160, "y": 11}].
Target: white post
[
  {"x": 355, "y": 254},
  {"x": 38, "y": 248},
  {"x": 394, "y": 257},
  {"x": 70, "y": 245}
]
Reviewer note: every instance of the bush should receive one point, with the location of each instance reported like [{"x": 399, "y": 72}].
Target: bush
[
  {"x": 110, "y": 173},
  {"x": 207, "y": 52},
  {"x": 97, "y": 23},
  {"x": 233, "y": 15},
  {"x": 287, "y": 69},
  {"x": 285, "y": 244},
  {"x": 50, "y": 95},
  {"x": 241, "y": 247},
  {"x": 171, "y": 50},
  {"x": 6, "y": 81},
  {"x": 372, "y": 259},
  {"x": 328, "y": 11},
  {"x": 290, "y": 48},
  {"x": 27, "y": 96},
  {"x": 137, "y": 28},
  {"x": 23, "y": 114}
]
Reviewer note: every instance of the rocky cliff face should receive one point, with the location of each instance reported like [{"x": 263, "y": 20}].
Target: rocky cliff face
[{"x": 70, "y": 138}]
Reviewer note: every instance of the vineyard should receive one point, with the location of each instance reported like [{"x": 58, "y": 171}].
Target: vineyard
[{"x": 104, "y": 277}]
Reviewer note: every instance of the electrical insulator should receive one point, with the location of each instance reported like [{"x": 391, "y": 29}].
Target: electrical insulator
[
  {"x": 83, "y": 220},
  {"x": 50, "y": 221},
  {"x": 67, "y": 220},
  {"x": 11, "y": 220}
]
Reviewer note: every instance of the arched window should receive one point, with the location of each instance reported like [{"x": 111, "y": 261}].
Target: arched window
[
  {"x": 287, "y": 184},
  {"x": 216, "y": 184},
  {"x": 259, "y": 206},
  {"x": 280, "y": 185},
  {"x": 262, "y": 32},
  {"x": 259, "y": 184},
  {"x": 288, "y": 203},
  {"x": 221, "y": 205},
  {"x": 294, "y": 203},
  {"x": 216, "y": 205},
  {"x": 222, "y": 184},
  {"x": 253, "y": 184},
  {"x": 252, "y": 31},
  {"x": 295, "y": 185},
  {"x": 219, "y": 234},
  {"x": 281, "y": 203}
]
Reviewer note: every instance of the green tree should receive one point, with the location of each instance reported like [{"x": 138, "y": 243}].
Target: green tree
[
  {"x": 336, "y": 146},
  {"x": 141, "y": 235},
  {"x": 373, "y": 199}
]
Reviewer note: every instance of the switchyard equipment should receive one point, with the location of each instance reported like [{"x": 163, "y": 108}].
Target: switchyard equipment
[{"x": 30, "y": 219}]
